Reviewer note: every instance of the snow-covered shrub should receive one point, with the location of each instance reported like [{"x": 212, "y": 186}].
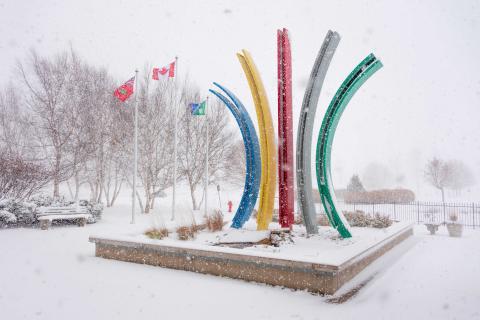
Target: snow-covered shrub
[
  {"x": 357, "y": 218},
  {"x": 7, "y": 218},
  {"x": 158, "y": 234},
  {"x": 95, "y": 209},
  {"x": 186, "y": 232},
  {"x": 323, "y": 220},
  {"x": 381, "y": 221},
  {"x": 453, "y": 217},
  {"x": 214, "y": 221},
  {"x": 42, "y": 200},
  {"x": 24, "y": 212},
  {"x": 186, "y": 225},
  {"x": 360, "y": 219}
]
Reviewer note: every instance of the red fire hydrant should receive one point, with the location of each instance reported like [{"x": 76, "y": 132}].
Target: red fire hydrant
[{"x": 229, "y": 204}]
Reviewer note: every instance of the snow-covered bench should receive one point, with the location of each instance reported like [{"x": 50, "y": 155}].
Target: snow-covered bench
[{"x": 49, "y": 214}]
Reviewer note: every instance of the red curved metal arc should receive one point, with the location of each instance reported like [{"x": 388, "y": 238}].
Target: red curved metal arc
[{"x": 285, "y": 130}]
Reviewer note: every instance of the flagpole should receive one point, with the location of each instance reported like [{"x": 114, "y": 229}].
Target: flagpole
[
  {"x": 175, "y": 147},
  {"x": 135, "y": 150},
  {"x": 206, "y": 160}
]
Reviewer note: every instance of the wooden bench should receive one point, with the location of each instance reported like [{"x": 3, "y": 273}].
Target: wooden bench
[{"x": 49, "y": 214}]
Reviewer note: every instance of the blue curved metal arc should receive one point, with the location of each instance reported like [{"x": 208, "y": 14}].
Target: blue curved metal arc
[
  {"x": 255, "y": 146},
  {"x": 252, "y": 153},
  {"x": 244, "y": 202},
  {"x": 256, "y": 157}
]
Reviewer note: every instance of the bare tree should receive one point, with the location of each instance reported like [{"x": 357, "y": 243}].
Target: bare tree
[
  {"x": 46, "y": 82},
  {"x": 69, "y": 124},
  {"x": 438, "y": 173},
  {"x": 235, "y": 163},
  {"x": 20, "y": 178},
  {"x": 156, "y": 125},
  {"x": 192, "y": 141},
  {"x": 79, "y": 148},
  {"x": 15, "y": 128}
]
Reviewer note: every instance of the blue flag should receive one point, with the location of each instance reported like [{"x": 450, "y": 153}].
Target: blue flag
[{"x": 198, "y": 109}]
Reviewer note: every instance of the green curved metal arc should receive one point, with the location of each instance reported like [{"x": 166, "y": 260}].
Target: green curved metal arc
[{"x": 349, "y": 87}]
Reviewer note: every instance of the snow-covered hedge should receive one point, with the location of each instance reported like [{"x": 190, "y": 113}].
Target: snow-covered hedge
[
  {"x": 7, "y": 217},
  {"x": 23, "y": 213}
]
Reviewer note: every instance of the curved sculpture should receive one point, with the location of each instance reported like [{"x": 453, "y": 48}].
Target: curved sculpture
[
  {"x": 267, "y": 140},
  {"x": 327, "y": 132},
  {"x": 285, "y": 131},
  {"x": 252, "y": 156},
  {"x": 305, "y": 128}
]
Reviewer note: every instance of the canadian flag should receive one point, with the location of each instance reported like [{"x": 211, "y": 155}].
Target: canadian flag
[{"x": 170, "y": 69}]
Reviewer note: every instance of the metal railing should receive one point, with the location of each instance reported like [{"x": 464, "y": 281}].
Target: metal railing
[{"x": 421, "y": 212}]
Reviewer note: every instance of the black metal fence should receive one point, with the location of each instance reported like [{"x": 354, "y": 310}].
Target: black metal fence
[{"x": 420, "y": 212}]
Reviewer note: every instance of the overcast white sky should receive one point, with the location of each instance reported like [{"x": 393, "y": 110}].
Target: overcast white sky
[{"x": 424, "y": 102}]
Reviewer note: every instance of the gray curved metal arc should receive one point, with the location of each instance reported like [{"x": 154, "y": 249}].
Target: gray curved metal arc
[
  {"x": 305, "y": 130},
  {"x": 256, "y": 168},
  {"x": 244, "y": 202}
]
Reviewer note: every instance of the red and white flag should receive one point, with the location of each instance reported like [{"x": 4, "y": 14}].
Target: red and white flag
[
  {"x": 170, "y": 69},
  {"x": 125, "y": 90}
]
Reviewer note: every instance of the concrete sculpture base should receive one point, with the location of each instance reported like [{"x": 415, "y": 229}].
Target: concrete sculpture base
[{"x": 225, "y": 262}]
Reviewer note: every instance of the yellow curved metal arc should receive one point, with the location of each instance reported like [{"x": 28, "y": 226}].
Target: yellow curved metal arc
[
  {"x": 262, "y": 133},
  {"x": 267, "y": 140}
]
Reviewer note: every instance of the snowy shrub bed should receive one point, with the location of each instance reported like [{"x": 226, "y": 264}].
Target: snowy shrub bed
[
  {"x": 360, "y": 219},
  {"x": 22, "y": 213}
]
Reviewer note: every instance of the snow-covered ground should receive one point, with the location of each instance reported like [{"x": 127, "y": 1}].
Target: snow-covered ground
[{"x": 54, "y": 275}]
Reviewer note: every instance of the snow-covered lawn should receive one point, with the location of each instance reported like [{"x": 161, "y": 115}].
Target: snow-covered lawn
[{"x": 54, "y": 275}]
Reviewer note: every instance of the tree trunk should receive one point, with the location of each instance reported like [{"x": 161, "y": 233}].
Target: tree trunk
[
  {"x": 140, "y": 201},
  {"x": 147, "y": 197},
  {"x": 152, "y": 202},
  {"x": 77, "y": 186},
  {"x": 115, "y": 194},
  {"x": 194, "y": 200},
  {"x": 56, "y": 174},
  {"x": 92, "y": 191},
  {"x": 100, "y": 193},
  {"x": 443, "y": 195},
  {"x": 147, "y": 203},
  {"x": 106, "y": 192},
  {"x": 70, "y": 189}
]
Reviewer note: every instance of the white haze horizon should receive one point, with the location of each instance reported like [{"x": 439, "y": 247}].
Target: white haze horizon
[{"x": 424, "y": 102}]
